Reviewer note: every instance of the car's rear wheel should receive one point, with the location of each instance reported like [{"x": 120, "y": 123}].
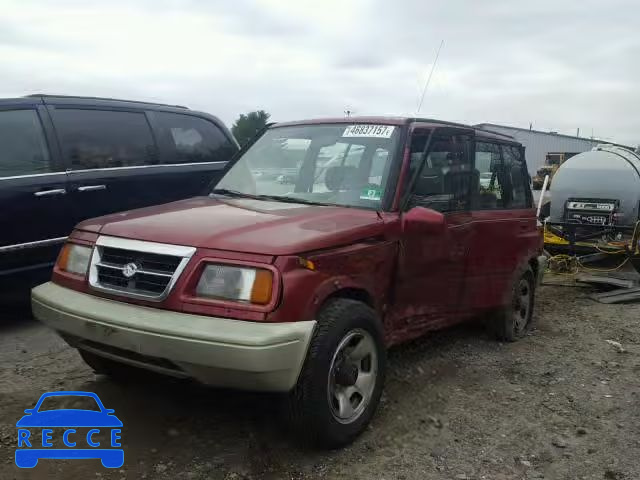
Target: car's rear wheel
[
  {"x": 515, "y": 319},
  {"x": 341, "y": 381}
]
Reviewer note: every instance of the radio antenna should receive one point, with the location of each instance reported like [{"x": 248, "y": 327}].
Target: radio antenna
[{"x": 426, "y": 85}]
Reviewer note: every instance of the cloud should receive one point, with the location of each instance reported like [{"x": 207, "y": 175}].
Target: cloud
[{"x": 560, "y": 65}]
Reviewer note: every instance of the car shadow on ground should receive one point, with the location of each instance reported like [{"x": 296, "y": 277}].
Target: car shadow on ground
[
  {"x": 166, "y": 419},
  {"x": 15, "y": 315}
]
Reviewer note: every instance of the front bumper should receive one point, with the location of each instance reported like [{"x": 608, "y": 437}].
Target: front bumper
[{"x": 211, "y": 350}]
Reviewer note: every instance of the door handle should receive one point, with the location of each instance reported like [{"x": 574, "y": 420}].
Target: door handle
[
  {"x": 46, "y": 193},
  {"x": 91, "y": 188}
]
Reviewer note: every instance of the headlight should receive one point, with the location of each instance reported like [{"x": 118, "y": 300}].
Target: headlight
[
  {"x": 251, "y": 285},
  {"x": 74, "y": 258}
]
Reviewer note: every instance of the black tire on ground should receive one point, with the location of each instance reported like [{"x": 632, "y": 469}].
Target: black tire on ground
[
  {"x": 312, "y": 408},
  {"x": 545, "y": 211},
  {"x": 115, "y": 370},
  {"x": 515, "y": 320}
]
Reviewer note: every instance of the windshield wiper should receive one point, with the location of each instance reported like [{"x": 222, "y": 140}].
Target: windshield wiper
[
  {"x": 231, "y": 193},
  {"x": 276, "y": 198}
]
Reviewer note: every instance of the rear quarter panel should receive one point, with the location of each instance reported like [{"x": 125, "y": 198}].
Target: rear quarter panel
[{"x": 504, "y": 242}]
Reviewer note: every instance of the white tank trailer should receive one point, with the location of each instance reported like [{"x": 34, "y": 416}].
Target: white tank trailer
[{"x": 598, "y": 187}]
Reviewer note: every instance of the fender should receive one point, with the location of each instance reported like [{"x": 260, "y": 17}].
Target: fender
[{"x": 366, "y": 266}]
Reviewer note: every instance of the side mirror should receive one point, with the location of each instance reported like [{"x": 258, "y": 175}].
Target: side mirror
[
  {"x": 109, "y": 411},
  {"x": 423, "y": 220},
  {"x": 29, "y": 410}
]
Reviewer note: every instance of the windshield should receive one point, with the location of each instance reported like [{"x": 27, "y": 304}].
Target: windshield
[{"x": 326, "y": 164}]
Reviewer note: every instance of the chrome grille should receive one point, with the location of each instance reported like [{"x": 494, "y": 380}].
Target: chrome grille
[{"x": 137, "y": 269}]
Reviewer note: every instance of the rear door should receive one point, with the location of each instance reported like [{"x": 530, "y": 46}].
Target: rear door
[
  {"x": 34, "y": 205},
  {"x": 118, "y": 162},
  {"x": 505, "y": 232},
  {"x": 110, "y": 154}
]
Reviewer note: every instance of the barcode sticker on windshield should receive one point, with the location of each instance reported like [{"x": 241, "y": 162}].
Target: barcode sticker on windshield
[{"x": 371, "y": 131}]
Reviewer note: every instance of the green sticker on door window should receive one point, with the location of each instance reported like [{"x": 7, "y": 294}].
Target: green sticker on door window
[{"x": 371, "y": 194}]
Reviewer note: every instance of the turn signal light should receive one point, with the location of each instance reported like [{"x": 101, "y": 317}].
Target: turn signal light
[
  {"x": 262, "y": 287},
  {"x": 74, "y": 258}
]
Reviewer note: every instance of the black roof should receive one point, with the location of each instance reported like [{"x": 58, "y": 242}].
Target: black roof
[
  {"x": 72, "y": 101},
  {"x": 101, "y": 99}
]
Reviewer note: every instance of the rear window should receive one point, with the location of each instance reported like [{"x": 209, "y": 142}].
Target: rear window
[
  {"x": 23, "y": 149},
  {"x": 195, "y": 139},
  {"x": 105, "y": 139}
]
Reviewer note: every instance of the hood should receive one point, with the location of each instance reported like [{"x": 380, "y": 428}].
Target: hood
[{"x": 242, "y": 225}]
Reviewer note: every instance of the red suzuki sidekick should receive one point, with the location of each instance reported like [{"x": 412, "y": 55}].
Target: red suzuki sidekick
[{"x": 325, "y": 242}]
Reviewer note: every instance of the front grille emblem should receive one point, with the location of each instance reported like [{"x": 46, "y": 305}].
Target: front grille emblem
[{"x": 130, "y": 269}]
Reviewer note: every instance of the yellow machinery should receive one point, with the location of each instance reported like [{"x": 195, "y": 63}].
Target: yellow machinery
[{"x": 552, "y": 162}]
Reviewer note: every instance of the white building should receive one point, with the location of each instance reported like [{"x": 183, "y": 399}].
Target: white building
[{"x": 537, "y": 144}]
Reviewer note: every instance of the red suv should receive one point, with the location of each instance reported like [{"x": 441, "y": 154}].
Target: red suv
[{"x": 382, "y": 231}]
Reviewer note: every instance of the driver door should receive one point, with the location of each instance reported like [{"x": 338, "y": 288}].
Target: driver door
[{"x": 432, "y": 267}]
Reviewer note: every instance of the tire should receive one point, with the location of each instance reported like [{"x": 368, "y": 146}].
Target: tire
[
  {"x": 115, "y": 370},
  {"x": 342, "y": 378},
  {"x": 545, "y": 212},
  {"x": 515, "y": 320}
]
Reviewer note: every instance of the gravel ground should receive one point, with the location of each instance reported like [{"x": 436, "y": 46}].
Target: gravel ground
[{"x": 560, "y": 404}]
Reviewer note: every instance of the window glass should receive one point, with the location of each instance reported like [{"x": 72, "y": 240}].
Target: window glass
[
  {"x": 195, "y": 139},
  {"x": 518, "y": 177},
  {"x": 105, "y": 139},
  {"x": 348, "y": 154},
  {"x": 329, "y": 164},
  {"x": 23, "y": 147},
  {"x": 418, "y": 143},
  {"x": 488, "y": 164},
  {"x": 379, "y": 164},
  {"x": 444, "y": 181},
  {"x": 503, "y": 180}
]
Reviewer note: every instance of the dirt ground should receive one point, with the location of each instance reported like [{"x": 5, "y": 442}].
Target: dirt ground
[{"x": 561, "y": 404}]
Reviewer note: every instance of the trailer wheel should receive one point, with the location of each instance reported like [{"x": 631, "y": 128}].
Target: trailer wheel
[{"x": 545, "y": 211}]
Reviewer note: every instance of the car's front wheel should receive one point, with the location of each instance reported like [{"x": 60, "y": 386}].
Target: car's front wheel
[{"x": 341, "y": 382}]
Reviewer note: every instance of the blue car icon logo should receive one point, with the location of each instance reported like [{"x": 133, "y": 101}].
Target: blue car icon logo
[{"x": 76, "y": 429}]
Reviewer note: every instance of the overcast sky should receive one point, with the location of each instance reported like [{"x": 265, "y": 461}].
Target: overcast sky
[{"x": 558, "y": 64}]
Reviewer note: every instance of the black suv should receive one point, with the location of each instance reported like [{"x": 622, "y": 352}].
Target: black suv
[{"x": 66, "y": 159}]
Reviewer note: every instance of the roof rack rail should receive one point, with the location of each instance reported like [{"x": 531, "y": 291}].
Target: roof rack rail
[
  {"x": 456, "y": 124},
  {"x": 44, "y": 95},
  {"x": 494, "y": 132}
]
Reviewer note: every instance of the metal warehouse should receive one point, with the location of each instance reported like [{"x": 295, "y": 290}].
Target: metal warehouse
[{"x": 539, "y": 144}]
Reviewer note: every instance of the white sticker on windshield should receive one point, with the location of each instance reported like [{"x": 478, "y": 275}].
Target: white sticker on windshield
[{"x": 371, "y": 131}]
